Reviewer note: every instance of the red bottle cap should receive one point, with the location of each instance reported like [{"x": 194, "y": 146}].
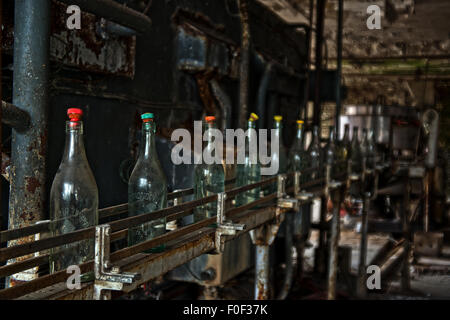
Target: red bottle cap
[
  {"x": 74, "y": 114},
  {"x": 210, "y": 119}
]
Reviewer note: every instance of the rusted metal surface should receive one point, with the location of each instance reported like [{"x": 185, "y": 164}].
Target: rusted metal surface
[
  {"x": 179, "y": 250},
  {"x": 320, "y": 18},
  {"x": 334, "y": 245},
  {"x": 88, "y": 51},
  {"x": 14, "y": 117},
  {"x": 244, "y": 63},
  {"x": 30, "y": 92},
  {"x": 1, "y": 111},
  {"x": 262, "y": 272},
  {"x": 114, "y": 11}
]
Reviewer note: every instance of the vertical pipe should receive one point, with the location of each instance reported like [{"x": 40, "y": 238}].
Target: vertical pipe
[
  {"x": 288, "y": 244},
  {"x": 361, "y": 285},
  {"x": 339, "y": 67},
  {"x": 320, "y": 17},
  {"x": 405, "y": 281},
  {"x": 1, "y": 114},
  {"x": 244, "y": 65},
  {"x": 333, "y": 251},
  {"x": 262, "y": 272},
  {"x": 30, "y": 92}
]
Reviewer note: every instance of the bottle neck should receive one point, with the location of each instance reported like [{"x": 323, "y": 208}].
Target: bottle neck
[
  {"x": 364, "y": 138},
  {"x": 299, "y": 135},
  {"x": 148, "y": 145},
  {"x": 355, "y": 135},
  {"x": 277, "y": 126},
  {"x": 209, "y": 129},
  {"x": 315, "y": 138},
  {"x": 346, "y": 134},
  {"x": 331, "y": 135},
  {"x": 74, "y": 147}
]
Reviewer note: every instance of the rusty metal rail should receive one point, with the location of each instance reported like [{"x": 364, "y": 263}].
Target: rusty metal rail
[{"x": 119, "y": 229}]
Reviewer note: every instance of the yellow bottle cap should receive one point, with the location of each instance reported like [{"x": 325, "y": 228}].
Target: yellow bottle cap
[
  {"x": 253, "y": 117},
  {"x": 300, "y": 122},
  {"x": 278, "y": 118}
]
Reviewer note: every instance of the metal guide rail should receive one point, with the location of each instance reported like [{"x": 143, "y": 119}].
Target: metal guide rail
[{"x": 131, "y": 266}]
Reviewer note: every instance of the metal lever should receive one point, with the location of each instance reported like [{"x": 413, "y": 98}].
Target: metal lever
[
  {"x": 224, "y": 228},
  {"x": 107, "y": 276}
]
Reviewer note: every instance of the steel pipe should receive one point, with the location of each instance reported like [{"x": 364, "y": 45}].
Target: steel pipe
[
  {"x": 30, "y": 91},
  {"x": 244, "y": 63},
  {"x": 262, "y": 272}
]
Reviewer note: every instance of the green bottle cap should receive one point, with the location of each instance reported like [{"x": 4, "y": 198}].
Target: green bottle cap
[{"x": 147, "y": 116}]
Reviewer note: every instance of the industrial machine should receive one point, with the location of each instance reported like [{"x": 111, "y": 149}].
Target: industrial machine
[{"x": 184, "y": 60}]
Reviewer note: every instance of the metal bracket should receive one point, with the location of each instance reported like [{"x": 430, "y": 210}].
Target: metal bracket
[
  {"x": 281, "y": 185},
  {"x": 224, "y": 227},
  {"x": 107, "y": 277}
]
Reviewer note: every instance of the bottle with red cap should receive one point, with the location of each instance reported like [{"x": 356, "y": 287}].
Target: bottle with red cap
[
  {"x": 147, "y": 187},
  {"x": 73, "y": 198},
  {"x": 209, "y": 179}
]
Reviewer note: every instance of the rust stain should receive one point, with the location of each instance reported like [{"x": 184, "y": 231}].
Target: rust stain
[{"x": 32, "y": 184}]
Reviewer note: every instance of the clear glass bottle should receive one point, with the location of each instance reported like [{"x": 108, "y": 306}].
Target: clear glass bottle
[
  {"x": 209, "y": 179},
  {"x": 278, "y": 155},
  {"x": 329, "y": 152},
  {"x": 296, "y": 161},
  {"x": 314, "y": 156},
  {"x": 364, "y": 145},
  {"x": 356, "y": 153},
  {"x": 147, "y": 187},
  {"x": 248, "y": 172},
  {"x": 371, "y": 150},
  {"x": 343, "y": 149},
  {"x": 73, "y": 198}
]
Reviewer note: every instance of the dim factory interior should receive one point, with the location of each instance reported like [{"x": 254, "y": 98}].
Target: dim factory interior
[{"x": 355, "y": 99}]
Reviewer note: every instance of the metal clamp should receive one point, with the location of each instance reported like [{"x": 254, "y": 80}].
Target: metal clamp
[
  {"x": 107, "y": 277},
  {"x": 224, "y": 227},
  {"x": 281, "y": 185}
]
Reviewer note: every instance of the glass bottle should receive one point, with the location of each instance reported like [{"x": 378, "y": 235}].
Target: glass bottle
[
  {"x": 355, "y": 153},
  {"x": 297, "y": 152},
  {"x": 278, "y": 155},
  {"x": 249, "y": 172},
  {"x": 329, "y": 152},
  {"x": 364, "y": 146},
  {"x": 73, "y": 198},
  {"x": 209, "y": 179},
  {"x": 371, "y": 150},
  {"x": 314, "y": 156},
  {"x": 147, "y": 187},
  {"x": 343, "y": 149}
]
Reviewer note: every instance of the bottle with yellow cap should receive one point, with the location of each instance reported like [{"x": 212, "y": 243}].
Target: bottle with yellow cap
[
  {"x": 249, "y": 172},
  {"x": 296, "y": 161},
  {"x": 147, "y": 187},
  {"x": 73, "y": 199},
  {"x": 209, "y": 179},
  {"x": 278, "y": 155}
]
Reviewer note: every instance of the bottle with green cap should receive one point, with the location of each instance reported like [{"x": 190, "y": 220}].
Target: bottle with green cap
[
  {"x": 73, "y": 199},
  {"x": 249, "y": 172},
  {"x": 209, "y": 179},
  {"x": 147, "y": 187}
]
